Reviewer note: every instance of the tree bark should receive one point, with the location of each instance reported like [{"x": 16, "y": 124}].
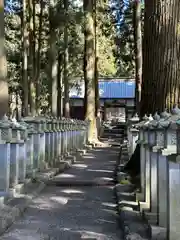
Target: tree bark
[
  {"x": 161, "y": 62},
  {"x": 38, "y": 65},
  {"x": 66, "y": 63},
  {"x": 96, "y": 75},
  {"x": 89, "y": 65},
  {"x": 60, "y": 85},
  {"x": 138, "y": 52},
  {"x": 32, "y": 58},
  {"x": 25, "y": 46},
  {"x": 4, "y": 94},
  {"x": 161, "y": 68},
  {"x": 53, "y": 64},
  {"x": 96, "y": 72}
]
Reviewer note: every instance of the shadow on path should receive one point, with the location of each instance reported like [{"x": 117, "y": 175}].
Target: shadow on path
[{"x": 74, "y": 212}]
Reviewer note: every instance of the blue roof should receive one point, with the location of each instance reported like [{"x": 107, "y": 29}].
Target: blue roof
[
  {"x": 110, "y": 89},
  {"x": 116, "y": 89}
]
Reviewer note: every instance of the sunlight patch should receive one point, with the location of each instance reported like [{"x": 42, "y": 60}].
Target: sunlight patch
[
  {"x": 61, "y": 200},
  {"x": 95, "y": 170},
  {"x": 88, "y": 156},
  {"x": 102, "y": 221},
  {"x": 72, "y": 191},
  {"x": 66, "y": 175},
  {"x": 92, "y": 235},
  {"x": 106, "y": 179},
  {"x": 80, "y": 165},
  {"x": 108, "y": 204}
]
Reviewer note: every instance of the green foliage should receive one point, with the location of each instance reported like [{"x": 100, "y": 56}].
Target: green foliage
[
  {"x": 124, "y": 38},
  {"x": 114, "y": 41},
  {"x": 13, "y": 47}
]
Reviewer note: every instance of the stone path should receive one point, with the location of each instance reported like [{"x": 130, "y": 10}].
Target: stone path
[{"x": 67, "y": 209}]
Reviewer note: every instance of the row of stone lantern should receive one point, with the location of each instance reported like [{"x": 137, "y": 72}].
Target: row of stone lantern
[
  {"x": 34, "y": 144},
  {"x": 159, "y": 199}
]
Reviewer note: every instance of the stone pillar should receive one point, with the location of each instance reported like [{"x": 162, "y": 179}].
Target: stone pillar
[
  {"x": 141, "y": 196},
  {"x": 6, "y": 136},
  {"x": 146, "y": 165},
  {"x": 134, "y": 137},
  {"x": 132, "y": 133},
  {"x": 173, "y": 213}
]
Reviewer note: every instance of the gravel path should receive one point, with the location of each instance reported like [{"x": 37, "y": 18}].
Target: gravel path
[{"x": 73, "y": 211}]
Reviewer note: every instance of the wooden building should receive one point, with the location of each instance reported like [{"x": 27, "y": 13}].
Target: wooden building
[{"x": 117, "y": 98}]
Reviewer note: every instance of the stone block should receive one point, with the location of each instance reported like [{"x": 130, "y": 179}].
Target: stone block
[
  {"x": 62, "y": 166},
  {"x": 71, "y": 158},
  {"x": 154, "y": 182},
  {"x": 88, "y": 147},
  {"x": 124, "y": 188},
  {"x": 158, "y": 233},
  {"x": 126, "y": 196},
  {"x": 147, "y": 176},
  {"x": 140, "y": 197},
  {"x": 162, "y": 190},
  {"x": 144, "y": 206},
  {"x": 126, "y": 203},
  {"x": 174, "y": 201},
  {"x": 142, "y": 167},
  {"x": 20, "y": 188},
  {"x": 150, "y": 217},
  {"x": 46, "y": 174},
  {"x": 81, "y": 151}
]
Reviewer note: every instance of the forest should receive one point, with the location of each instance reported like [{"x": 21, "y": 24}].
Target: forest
[
  {"x": 37, "y": 31},
  {"x": 49, "y": 44}
]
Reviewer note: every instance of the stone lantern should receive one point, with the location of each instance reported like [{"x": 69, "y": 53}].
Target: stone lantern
[
  {"x": 161, "y": 170},
  {"x": 143, "y": 138},
  {"x": 132, "y": 133},
  {"x": 149, "y": 205},
  {"x": 171, "y": 132},
  {"x": 178, "y": 137},
  {"x": 153, "y": 168}
]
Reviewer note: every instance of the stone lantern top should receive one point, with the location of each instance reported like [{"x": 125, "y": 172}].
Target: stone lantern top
[
  {"x": 134, "y": 120},
  {"x": 164, "y": 122},
  {"x": 165, "y": 114},
  {"x": 174, "y": 118},
  {"x": 146, "y": 124},
  {"x": 154, "y": 123},
  {"x": 171, "y": 120},
  {"x": 167, "y": 120}
]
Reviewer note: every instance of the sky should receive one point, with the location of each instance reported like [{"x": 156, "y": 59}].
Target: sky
[{"x": 11, "y": 5}]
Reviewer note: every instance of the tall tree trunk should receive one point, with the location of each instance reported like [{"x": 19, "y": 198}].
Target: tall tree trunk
[
  {"x": 161, "y": 68},
  {"x": 161, "y": 62},
  {"x": 25, "y": 46},
  {"x": 138, "y": 52},
  {"x": 66, "y": 63},
  {"x": 96, "y": 75},
  {"x": 85, "y": 92},
  {"x": 60, "y": 84},
  {"x": 38, "y": 67},
  {"x": 89, "y": 65},
  {"x": 32, "y": 58},
  {"x": 53, "y": 64},
  {"x": 4, "y": 95}
]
